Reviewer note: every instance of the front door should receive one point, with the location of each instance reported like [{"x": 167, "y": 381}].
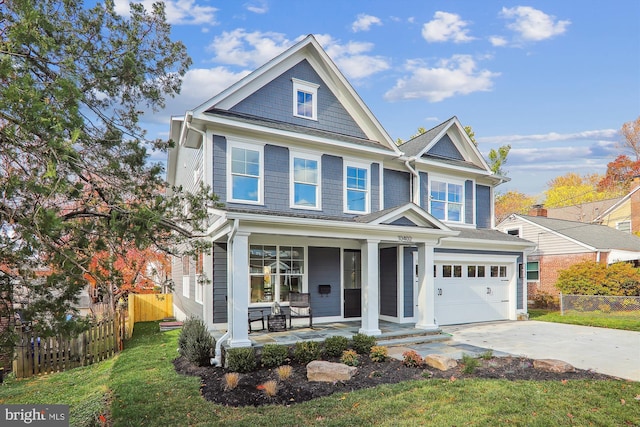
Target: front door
[{"x": 352, "y": 283}]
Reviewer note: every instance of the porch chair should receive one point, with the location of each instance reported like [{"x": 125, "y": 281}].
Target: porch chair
[
  {"x": 256, "y": 316},
  {"x": 300, "y": 307}
]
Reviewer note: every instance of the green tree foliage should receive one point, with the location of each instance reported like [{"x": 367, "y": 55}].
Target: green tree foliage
[
  {"x": 74, "y": 172},
  {"x": 471, "y": 134},
  {"x": 592, "y": 278},
  {"x": 498, "y": 158}
]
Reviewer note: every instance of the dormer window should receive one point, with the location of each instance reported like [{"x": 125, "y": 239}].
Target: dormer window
[{"x": 305, "y": 99}]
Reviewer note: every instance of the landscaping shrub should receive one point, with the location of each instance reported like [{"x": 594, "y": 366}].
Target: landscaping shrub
[
  {"x": 350, "y": 357},
  {"x": 334, "y": 346},
  {"x": 231, "y": 380},
  {"x": 593, "y": 278},
  {"x": 362, "y": 343},
  {"x": 284, "y": 372},
  {"x": 411, "y": 358},
  {"x": 469, "y": 364},
  {"x": 379, "y": 353},
  {"x": 545, "y": 300},
  {"x": 274, "y": 355},
  {"x": 195, "y": 343},
  {"x": 241, "y": 359},
  {"x": 270, "y": 388},
  {"x": 306, "y": 351}
]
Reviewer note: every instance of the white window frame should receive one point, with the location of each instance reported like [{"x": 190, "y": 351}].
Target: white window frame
[
  {"x": 186, "y": 275},
  {"x": 245, "y": 145},
  {"x": 624, "y": 222},
  {"x": 447, "y": 180},
  {"x": 527, "y": 271},
  {"x": 199, "y": 283},
  {"x": 367, "y": 203},
  {"x": 311, "y": 88},
  {"x": 292, "y": 182},
  {"x": 275, "y": 277}
]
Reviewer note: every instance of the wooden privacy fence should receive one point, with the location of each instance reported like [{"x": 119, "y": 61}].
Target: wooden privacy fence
[
  {"x": 35, "y": 355},
  {"x": 148, "y": 307}
]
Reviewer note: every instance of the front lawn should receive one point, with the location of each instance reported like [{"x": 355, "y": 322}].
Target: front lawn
[
  {"x": 626, "y": 321},
  {"x": 144, "y": 389}
]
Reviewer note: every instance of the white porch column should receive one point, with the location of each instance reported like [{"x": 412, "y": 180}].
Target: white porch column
[
  {"x": 238, "y": 291},
  {"x": 370, "y": 288},
  {"x": 426, "y": 289}
]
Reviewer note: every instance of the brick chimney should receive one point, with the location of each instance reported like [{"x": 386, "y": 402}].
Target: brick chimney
[{"x": 538, "y": 210}]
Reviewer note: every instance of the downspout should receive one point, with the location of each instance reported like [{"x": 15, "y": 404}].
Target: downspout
[
  {"x": 414, "y": 183},
  {"x": 215, "y": 361}
]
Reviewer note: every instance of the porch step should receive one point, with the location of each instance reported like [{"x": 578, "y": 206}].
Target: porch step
[{"x": 407, "y": 340}]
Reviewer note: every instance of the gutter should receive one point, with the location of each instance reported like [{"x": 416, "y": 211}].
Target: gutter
[
  {"x": 217, "y": 360},
  {"x": 414, "y": 182}
]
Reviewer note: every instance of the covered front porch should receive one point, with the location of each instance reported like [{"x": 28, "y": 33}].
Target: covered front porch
[{"x": 391, "y": 333}]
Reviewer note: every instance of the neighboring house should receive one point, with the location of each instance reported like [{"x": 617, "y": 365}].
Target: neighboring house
[
  {"x": 561, "y": 243},
  {"x": 621, "y": 213},
  {"x": 319, "y": 199}
]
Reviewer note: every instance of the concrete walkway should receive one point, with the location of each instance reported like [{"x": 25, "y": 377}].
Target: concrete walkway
[{"x": 608, "y": 351}]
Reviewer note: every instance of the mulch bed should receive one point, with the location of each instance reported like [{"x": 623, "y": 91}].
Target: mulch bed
[{"x": 297, "y": 389}]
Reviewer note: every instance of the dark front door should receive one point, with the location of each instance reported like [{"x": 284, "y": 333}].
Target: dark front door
[{"x": 352, "y": 283}]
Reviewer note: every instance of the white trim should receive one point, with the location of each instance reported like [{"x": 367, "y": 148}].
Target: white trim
[
  {"x": 306, "y": 87},
  {"x": 367, "y": 203},
  {"x": 186, "y": 278},
  {"x": 199, "y": 288},
  {"x": 293, "y": 154},
  {"x": 245, "y": 145}
]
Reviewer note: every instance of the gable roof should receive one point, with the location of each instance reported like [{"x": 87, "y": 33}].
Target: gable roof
[
  {"x": 616, "y": 205},
  {"x": 584, "y": 212},
  {"x": 409, "y": 212},
  {"x": 597, "y": 237},
  {"x": 309, "y": 49}
]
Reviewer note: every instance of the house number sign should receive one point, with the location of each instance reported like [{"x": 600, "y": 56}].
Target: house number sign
[{"x": 405, "y": 238}]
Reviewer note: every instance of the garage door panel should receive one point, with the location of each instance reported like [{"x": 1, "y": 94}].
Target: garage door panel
[{"x": 472, "y": 299}]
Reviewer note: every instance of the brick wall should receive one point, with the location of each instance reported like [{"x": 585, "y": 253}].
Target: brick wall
[
  {"x": 635, "y": 211},
  {"x": 550, "y": 267}
]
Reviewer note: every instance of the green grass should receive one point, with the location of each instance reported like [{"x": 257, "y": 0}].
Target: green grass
[
  {"x": 145, "y": 390},
  {"x": 626, "y": 321}
]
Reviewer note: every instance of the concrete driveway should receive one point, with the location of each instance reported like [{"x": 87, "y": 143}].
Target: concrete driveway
[{"x": 608, "y": 351}]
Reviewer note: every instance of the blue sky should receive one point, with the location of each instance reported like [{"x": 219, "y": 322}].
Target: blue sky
[{"x": 555, "y": 79}]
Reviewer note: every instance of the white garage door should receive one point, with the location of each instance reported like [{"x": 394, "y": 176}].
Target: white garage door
[{"x": 471, "y": 292}]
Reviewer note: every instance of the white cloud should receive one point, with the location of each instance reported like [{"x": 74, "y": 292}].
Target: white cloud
[
  {"x": 198, "y": 86},
  {"x": 179, "y": 12},
  {"x": 532, "y": 24},
  {"x": 260, "y": 7},
  {"x": 242, "y": 48},
  {"x": 351, "y": 57},
  {"x": 593, "y": 135},
  {"x": 364, "y": 22},
  {"x": 446, "y": 27},
  {"x": 498, "y": 41},
  {"x": 451, "y": 77}
]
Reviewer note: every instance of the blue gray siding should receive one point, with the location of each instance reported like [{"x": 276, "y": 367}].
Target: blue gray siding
[
  {"x": 445, "y": 148},
  {"x": 332, "y": 185},
  {"x": 275, "y": 101},
  {"x": 219, "y": 184},
  {"x": 397, "y": 188},
  {"x": 424, "y": 191},
  {"x": 375, "y": 188},
  {"x": 483, "y": 206},
  {"x": 468, "y": 202},
  {"x": 324, "y": 269},
  {"x": 219, "y": 283},
  {"x": 276, "y": 178},
  {"x": 407, "y": 283},
  {"x": 389, "y": 282},
  {"x": 404, "y": 221}
]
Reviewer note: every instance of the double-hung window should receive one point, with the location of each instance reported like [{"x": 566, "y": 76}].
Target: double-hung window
[
  {"x": 446, "y": 200},
  {"x": 186, "y": 264},
  {"x": 305, "y": 181},
  {"x": 305, "y": 99},
  {"x": 356, "y": 188},
  {"x": 245, "y": 168},
  {"x": 533, "y": 271}
]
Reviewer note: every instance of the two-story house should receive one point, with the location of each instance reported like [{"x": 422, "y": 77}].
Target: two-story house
[{"x": 319, "y": 199}]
